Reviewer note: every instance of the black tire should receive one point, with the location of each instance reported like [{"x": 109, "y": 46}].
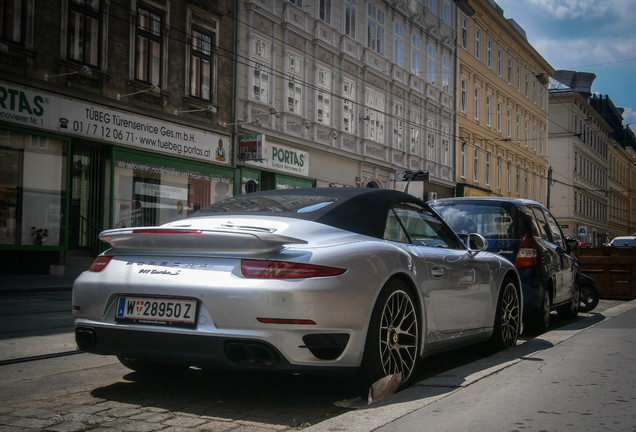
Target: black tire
[
  {"x": 149, "y": 367},
  {"x": 588, "y": 298},
  {"x": 571, "y": 309},
  {"x": 507, "y": 317},
  {"x": 393, "y": 339},
  {"x": 539, "y": 319}
]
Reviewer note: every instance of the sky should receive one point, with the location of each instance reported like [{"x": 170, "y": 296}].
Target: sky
[{"x": 596, "y": 36}]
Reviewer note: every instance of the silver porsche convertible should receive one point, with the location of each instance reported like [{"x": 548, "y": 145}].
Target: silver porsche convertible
[{"x": 351, "y": 281}]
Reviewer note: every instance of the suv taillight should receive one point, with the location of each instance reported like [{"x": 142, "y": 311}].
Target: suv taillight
[{"x": 527, "y": 254}]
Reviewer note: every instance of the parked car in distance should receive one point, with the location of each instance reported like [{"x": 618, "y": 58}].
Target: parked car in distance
[
  {"x": 350, "y": 281},
  {"x": 528, "y": 235},
  {"x": 623, "y": 241}
]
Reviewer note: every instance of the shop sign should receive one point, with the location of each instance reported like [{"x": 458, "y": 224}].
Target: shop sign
[
  {"x": 161, "y": 191},
  {"x": 251, "y": 147},
  {"x": 47, "y": 111},
  {"x": 284, "y": 159}
]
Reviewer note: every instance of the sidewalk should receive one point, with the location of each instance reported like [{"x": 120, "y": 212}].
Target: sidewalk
[
  {"x": 557, "y": 371},
  {"x": 20, "y": 283}
]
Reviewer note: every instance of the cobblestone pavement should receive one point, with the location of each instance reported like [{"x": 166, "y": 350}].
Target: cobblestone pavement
[{"x": 191, "y": 401}]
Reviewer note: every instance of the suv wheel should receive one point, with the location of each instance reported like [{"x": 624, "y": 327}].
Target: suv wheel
[{"x": 539, "y": 319}]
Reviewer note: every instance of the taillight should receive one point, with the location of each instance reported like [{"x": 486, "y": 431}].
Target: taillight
[
  {"x": 286, "y": 270},
  {"x": 527, "y": 254},
  {"x": 100, "y": 264}
]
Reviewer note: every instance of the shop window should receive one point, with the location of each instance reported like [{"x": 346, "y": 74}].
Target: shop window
[
  {"x": 148, "y": 194},
  {"x": 32, "y": 189}
]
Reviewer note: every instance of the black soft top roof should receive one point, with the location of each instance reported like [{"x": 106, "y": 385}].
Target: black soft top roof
[{"x": 359, "y": 210}]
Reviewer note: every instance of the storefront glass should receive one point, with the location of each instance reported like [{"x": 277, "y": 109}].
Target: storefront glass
[
  {"x": 32, "y": 189},
  {"x": 147, "y": 194}
]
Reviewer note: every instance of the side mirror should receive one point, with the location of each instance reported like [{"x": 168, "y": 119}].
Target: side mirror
[
  {"x": 476, "y": 243},
  {"x": 571, "y": 244}
]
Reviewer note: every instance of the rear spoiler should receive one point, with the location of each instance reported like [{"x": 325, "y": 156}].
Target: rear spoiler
[{"x": 233, "y": 240}]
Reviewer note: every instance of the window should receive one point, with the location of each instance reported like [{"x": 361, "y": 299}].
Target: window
[
  {"x": 499, "y": 114},
  {"x": 489, "y": 53},
  {"x": 260, "y": 74},
  {"x": 446, "y": 12},
  {"x": 201, "y": 46},
  {"x": 398, "y": 125},
  {"x": 375, "y": 29},
  {"x": 415, "y": 54},
  {"x": 325, "y": 11},
  {"x": 477, "y": 44},
  {"x": 518, "y": 78},
  {"x": 323, "y": 97},
  {"x": 477, "y": 102},
  {"x": 500, "y": 62},
  {"x": 534, "y": 137},
  {"x": 148, "y": 46},
  {"x": 518, "y": 180},
  {"x": 294, "y": 88},
  {"x": 462, "y": 159},
  {"x": 446, "y": 145},
  {"x": 541, "y": 141},
  {"x": 498, "y": 172},
  {"x": 476, "y": 165},
  {"x": 83, "y": 31},
  {"x": 509, "y": 176},
  {"x": 525, "y": 183},
  {"x": 432, "y": 64},
  {"x": 348, "y": 106},
  {"x": 464, "y": 101},
  {"x": 375, "y": 114},
  {"x": 509, "y": 70},
  {"x": 398, "y": 43},
  {"x": 298, "y": 3},
  {"x": 464, "y": 33},
  {"x": 488, "y": 168},
  {"x": 527, "y": 132},
  {"x": 430, "y": 140},
  {"x": 415, "y": 120},
  {"x": 12, "y": 21},
  {"x": 432, "y": 5},
  {"x": 488, "y": 110},
  {"x": 445, "y": 72},
  {"x": 518, "y": 127},
  {"x": 350, "y": 18},
  {"x": 408, "y": 223},
  {"x": 509, "y": 123}
]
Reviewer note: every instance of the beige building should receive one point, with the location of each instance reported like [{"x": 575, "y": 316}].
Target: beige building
[
  {"x": 579, "y": 157},
  {"x": 502, "y": 108},
  {"x": 621, "y": 172}
]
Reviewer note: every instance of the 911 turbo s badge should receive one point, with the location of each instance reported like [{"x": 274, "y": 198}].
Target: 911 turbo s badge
[{"x": 163, "y": 272}]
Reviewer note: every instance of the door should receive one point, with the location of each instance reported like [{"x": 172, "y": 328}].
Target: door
[{"x": 85, "y": 223}]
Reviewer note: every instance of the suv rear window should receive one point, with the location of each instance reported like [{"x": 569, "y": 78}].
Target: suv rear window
[{"x": 491, "y": 220}]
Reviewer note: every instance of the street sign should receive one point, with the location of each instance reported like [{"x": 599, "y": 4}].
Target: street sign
[{"x": 405, "y": 176}]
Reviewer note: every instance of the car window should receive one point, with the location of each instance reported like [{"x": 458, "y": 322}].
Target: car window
[
  {"x": 542, "y": 225},
  {"x": 555, "y": 231},
  {"x": 408, "y": 223},
  {"x": 491, "y": 220}
]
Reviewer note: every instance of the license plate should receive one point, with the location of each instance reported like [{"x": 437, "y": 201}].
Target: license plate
[{"x": 157, "y": 311}]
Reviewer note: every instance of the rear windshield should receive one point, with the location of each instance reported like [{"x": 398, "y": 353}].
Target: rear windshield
[
  {"x": 268, "y": 204},
  {"x": 491, "y": 220}
]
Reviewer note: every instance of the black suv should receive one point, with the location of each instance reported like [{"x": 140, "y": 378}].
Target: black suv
[{"x": 527, "y": 234}]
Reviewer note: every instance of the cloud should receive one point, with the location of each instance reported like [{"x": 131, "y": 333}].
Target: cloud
[{"x": 574, "y": 9}]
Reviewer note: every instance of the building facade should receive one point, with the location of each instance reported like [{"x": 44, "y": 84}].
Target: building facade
[
  {"x": 502, "y": 107},
  {"x": 579, "y": 157},
  {"x": 346, "y": 94},
  {"x": 109, "y": 117}
]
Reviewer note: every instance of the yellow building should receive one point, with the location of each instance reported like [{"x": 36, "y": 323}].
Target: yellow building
[{"x": 502, "y": 107}]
